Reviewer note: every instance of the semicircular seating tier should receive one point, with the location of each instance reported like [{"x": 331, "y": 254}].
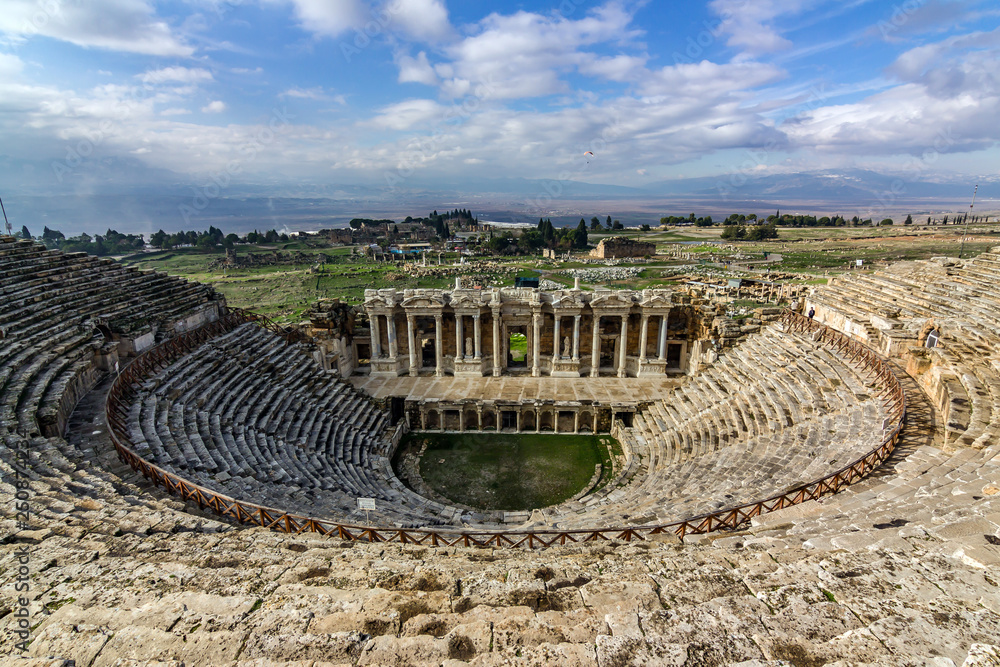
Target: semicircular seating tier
[
  {"x": 251, "y": 417},
  {"x": 248, "y": 415},
  {"x": 63, "y": 317},
  {"x": 773, "y": 413},
  {"x": 896, "y": 310}
]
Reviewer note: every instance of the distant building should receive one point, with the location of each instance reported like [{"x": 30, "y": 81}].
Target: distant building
[
  {"x": 343, "y": 236},
  {"x": 615, "y": 247}
]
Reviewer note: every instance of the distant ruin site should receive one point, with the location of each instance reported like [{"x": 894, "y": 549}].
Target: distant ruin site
[{"x": 815, "y": 481}]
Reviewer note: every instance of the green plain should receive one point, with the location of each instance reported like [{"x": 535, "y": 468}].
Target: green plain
[{"x": 500, "y": 471}]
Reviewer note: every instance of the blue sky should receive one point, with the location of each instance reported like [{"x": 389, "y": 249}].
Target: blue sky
[{"x": 416, "y": 91}]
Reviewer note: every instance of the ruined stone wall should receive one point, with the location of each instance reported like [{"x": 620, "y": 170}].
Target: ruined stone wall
[{"x": 615, "y": 247}]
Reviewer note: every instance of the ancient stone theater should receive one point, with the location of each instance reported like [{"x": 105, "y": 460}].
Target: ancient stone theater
[{"x": 188, "y": 483}]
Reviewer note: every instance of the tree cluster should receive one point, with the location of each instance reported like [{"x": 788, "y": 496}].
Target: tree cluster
[
  {"x": 212, "y": 239},
  {"x": 545, "y": 235},
  {"x": 609, "y": 225},
  {"x": 690, "y": 219},
  {"x": 960, "y": 219},
  {"x": 744, "y": 232},
  {"x": 110, "y": 243}
]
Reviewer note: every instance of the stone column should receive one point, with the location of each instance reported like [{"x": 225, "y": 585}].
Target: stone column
[
  {"x": 556, "y": 352},
  {"x": 643, "y": 338},
  {"x": 391, "y": 322},
  {"x": 595, "y": 364},
  {"x": 478, "y": 335},
  {"x": 459, "y": 352},
  {"x": 461, "y": 418},
  {"x": 438, "y": 352},
  {"x": 624, "y": 346},
  {"x": 536, "y": 344},
  {"x": 411, "y": 339},
  {"x": 376, "y": 338},
  {"x": 576, "y": 422},
  {"x": 497, "y": 368},
  {"x": 661, "y": 350},
  {"x": 576, "y": 337}
]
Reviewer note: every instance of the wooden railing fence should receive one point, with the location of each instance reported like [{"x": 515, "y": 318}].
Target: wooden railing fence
[{"x": 126, "y": 388}]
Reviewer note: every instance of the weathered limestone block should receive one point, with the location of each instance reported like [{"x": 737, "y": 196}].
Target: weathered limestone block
[
  {"x": 138, "y": 643},
  {"x": 342, "y": 648},
  {"x": 421, "y": 650}
]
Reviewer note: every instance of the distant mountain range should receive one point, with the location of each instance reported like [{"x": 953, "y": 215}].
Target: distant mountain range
[{"x": 129, "y": 196}]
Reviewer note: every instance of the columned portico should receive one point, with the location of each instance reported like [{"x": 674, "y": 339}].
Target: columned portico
[
  {"x": 536, "y": 343},
  {"x": 496, "y": 343},
  {"x": 556, "y": 352},
  {"x": 595, "y": 346},
  {"x": 376, "y": 338},
  {"x": 643, "y": 338},
  {"x": 661, "y": 348},
  {"x": 623, "y": 347},
  {"x": 576, "y": 338},
  {"x": 556, "y": 344},
  {"x": 412, "y": 340},
  {"x": 478, "y": 334},
  {"x": 655, "y": 312},
  {"x": 438, "y": 351},
  {"x": 393, "y": 351}
]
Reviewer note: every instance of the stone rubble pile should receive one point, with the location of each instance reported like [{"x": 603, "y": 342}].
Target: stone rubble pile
[{"x": 603, "y": 275}]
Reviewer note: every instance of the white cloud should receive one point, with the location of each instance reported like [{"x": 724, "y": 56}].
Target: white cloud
[
  {"x": 216, "y": 106},
  {"x": 10, "y": 65},
  {"x": 315, "y": 93},
  {"x": 425, "y": 20},
  {"x": 179, "y": 74},
  {"x": 175, "y": 111},
  {"x": 330, "y": 18},
  {"x": 615, "y": 68},
  {"x": 747, "y": 23},
  {"x": 117, "y": 25},
  {"x": 407, "y": 114},
  {"x": 416, "y": 70},
  {"x": 946, "y": 101},
  {"x": 708, "y": 80},
  {"x": 525, "y": 54}
]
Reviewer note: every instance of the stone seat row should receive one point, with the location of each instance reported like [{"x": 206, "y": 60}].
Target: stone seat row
[
  {"x": 962, "y": 299},
  {"x": 940, "y": 298},
  {"x": 254, "y": 418},
  {"x": 755, "y": 424},
  {"x": 47, "y": 318}
]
